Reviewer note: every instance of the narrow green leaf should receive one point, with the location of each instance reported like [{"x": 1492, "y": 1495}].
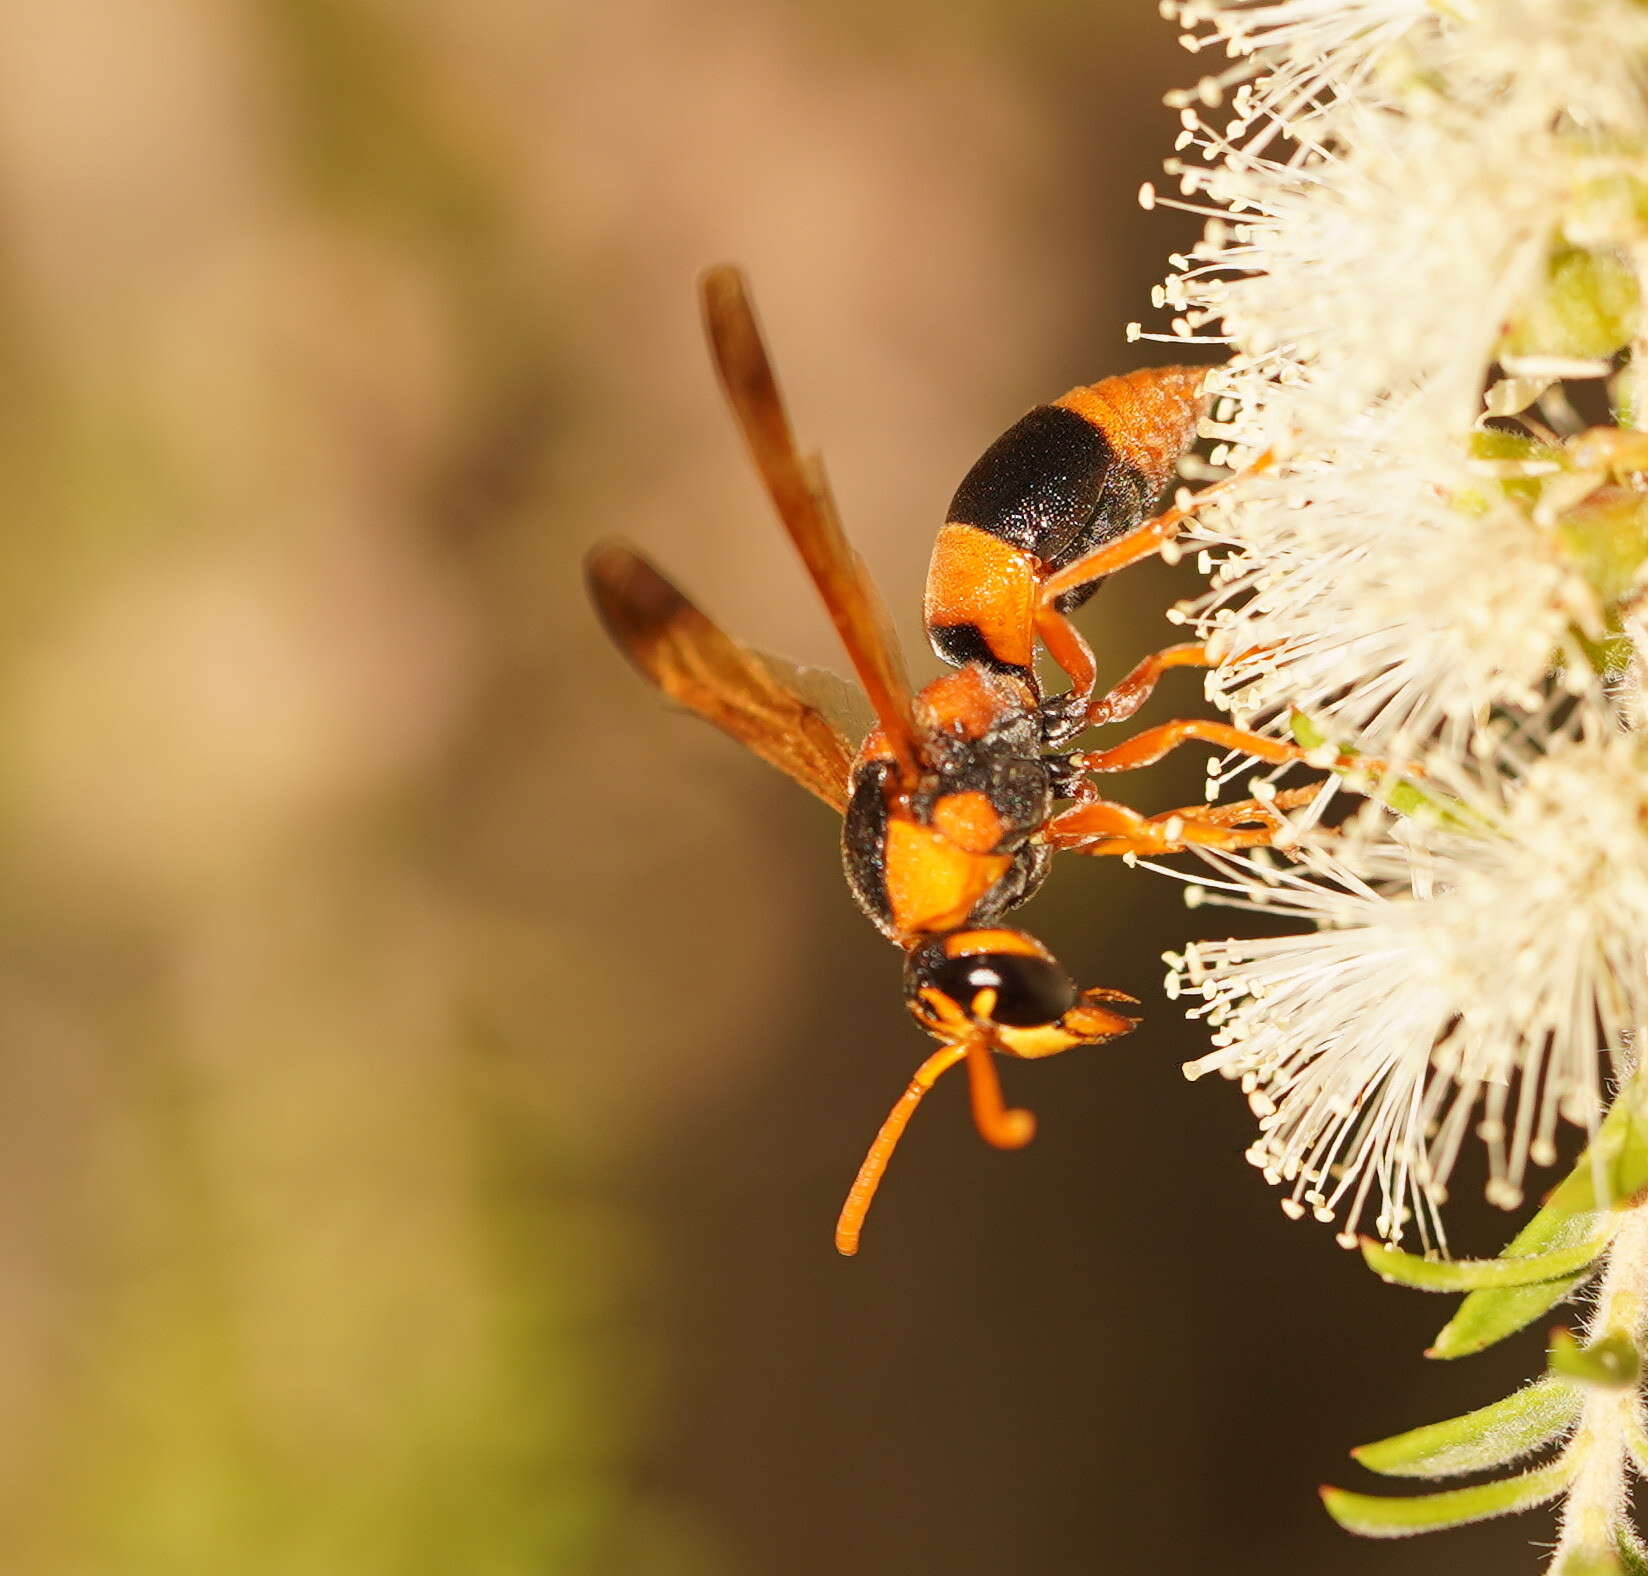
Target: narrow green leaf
[
  {"x": 1624, "y": 1557},
  {"x": 1613, "y": 1363},
  {"x": 1490, "y": 1315},
  {"x": 1617, "y": 1156},
  {"x": 1590, "y": 1561},
  {"x": 1636, "y": 1441},
  {"x": 1375, "y": 1516},
  {"x": 1487, "y": 1317},
  {"x": 1489, "y": 1437},
  {"x": 1570, "y": 1218},
  {"x": 1408, "y": 1269},
  {"x": 1633, "y": 1558}
]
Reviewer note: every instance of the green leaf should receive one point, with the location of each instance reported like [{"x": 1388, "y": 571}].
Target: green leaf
[
  {"x": 1619, "y": 1153},
  {"x": 1504, "y": 448},
  {"x": 1571, "y": 1217},
  {"x": 1586, "y": 307},
  {"x": 1593, "y": 1561},
  {"x": 1490, "y": 1315},
  {"x": 1376, "y": 1516},
  {"x": 1608, "y": 653},
  {"x": 1636, "y": 1441},
  {"x": 1633, "y": 1558},
  {"x": 1408, "y": 1269},
  {"x": 1605, "y": 538},
  {"x": 1489, "y": 1437},
  {"x": 1613, "y": 1363}
]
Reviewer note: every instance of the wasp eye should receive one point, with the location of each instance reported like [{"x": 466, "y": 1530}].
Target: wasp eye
[{"x": 1028, "y": 991}]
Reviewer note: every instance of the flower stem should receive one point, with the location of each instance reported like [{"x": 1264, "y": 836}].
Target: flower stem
[{"x": 1593, "y": 1516}]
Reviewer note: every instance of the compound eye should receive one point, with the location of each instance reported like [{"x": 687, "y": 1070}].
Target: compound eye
[{"x": 1029, "y": 991}]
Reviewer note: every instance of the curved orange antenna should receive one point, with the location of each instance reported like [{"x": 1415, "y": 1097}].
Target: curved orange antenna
[
  {"x": 1006, "y": 1128},
  {"x": 863, "y": 1191}
]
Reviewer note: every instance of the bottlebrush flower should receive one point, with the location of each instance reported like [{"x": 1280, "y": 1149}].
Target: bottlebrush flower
[
  {"x": 1421, "y": 220},
  {"x": 1468, "y": 966},
  {"x": 1380, "y": 586},
  {"x": 1398, "y": 204},
  {"x": 1426, "y": 250}
]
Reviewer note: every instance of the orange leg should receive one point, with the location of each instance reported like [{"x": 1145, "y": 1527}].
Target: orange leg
[
  {"x": 1076, "y": 710},
  {"x": 863, "y": 1191},
  {"x": 1063, "y": 643},
  {"x": 1066, "y": 646},
  {"x": 1106, "y": 827},
  {"x": 1144, "y": 749},
  {"x": 1126, "y": 697},
  {"x": 1149, "y": 538}
]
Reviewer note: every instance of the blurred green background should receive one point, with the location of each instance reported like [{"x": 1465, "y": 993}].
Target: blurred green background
[{"x": 430, "y": 1067}]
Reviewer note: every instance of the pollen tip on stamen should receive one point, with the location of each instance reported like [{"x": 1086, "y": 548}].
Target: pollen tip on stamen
[{"x": 1503, "y": 1194}]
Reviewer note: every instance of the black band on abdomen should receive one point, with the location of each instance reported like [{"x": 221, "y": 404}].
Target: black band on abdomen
[{"x": 959, "y": 644}]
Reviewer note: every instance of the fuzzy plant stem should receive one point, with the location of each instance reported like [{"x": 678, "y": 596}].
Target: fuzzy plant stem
[{"x": 1594, "y": 1513}]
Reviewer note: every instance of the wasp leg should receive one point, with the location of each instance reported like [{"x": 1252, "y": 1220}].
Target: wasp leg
[
  {"x": 1125, "y": 698},
  {"x": 1106, "y": 827},
  {"x": 1132, "y": 692},
  {"x": 1064, "y": 644},
  {"x": 1061, "y": 720},
  {"x": 1064, "y": 716},
  {"x": 1148, "y": 747}
]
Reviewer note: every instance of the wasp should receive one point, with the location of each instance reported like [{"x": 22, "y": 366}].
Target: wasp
[{"x": 957, "y": 799}]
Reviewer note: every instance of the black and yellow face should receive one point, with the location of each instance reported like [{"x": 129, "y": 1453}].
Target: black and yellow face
[{"x": 1007, "y": 985}]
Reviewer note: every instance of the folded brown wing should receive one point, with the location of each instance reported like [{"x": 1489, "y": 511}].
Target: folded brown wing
[
  {"x": 751, "y": 697},
  {"x": 801, "y": 494}
]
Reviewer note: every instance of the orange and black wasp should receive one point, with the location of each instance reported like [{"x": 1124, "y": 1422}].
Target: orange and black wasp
[{"x": 951, "y": 805}]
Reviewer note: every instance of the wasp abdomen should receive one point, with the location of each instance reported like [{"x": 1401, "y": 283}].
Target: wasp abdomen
[{"x": 1059, "y": 483}]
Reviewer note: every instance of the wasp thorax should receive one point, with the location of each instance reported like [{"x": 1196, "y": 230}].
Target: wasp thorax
[{"x": 997, "y": 977}]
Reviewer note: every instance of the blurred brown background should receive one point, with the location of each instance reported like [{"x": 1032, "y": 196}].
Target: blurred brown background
[{"x": 430, "y": 1068}]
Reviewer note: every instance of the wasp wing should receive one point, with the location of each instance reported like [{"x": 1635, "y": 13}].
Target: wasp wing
[
  {"x": 802, "y": 497},
  {"x": 756, "y": 699},
  {"x": 838, "y": 701}
]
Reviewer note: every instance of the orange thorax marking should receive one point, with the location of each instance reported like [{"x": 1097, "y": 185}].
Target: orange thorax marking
[
  {"x": 932, "y": 885},
  {"x": 969, "y": 702},
  {"x": 969, "y": 821}
]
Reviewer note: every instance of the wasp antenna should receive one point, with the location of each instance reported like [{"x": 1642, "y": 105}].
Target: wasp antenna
[{"x": 863, "y": 1191}]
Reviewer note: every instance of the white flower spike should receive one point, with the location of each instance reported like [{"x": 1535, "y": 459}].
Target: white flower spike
[
  {"x": 1467, "y": 968},
  {"x": 1426, "y": 251}
]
